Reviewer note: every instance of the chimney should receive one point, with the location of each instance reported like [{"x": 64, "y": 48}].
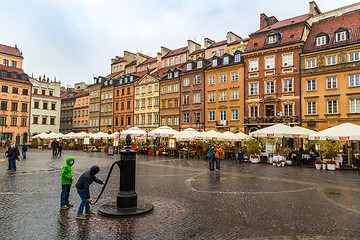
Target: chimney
[
  {"x": 164, "y": 51},
  {"x": 314, "y": 9},
  {"x": 142, "y": 58},
  {"x": 208, "y": 42},
  {"x": 193, "y": 46},
  {"x": 129, "y": 56},
  {"x": 16, "y": 46},
  {"x": 266, "y": 21},
  {"x": 232, "y": 37}
]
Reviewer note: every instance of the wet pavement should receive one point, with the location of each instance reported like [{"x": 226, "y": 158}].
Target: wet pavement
[{"x": 242, "y": 201}]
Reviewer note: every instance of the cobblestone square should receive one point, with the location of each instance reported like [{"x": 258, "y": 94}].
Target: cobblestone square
[{"x": 242, "y": 201}]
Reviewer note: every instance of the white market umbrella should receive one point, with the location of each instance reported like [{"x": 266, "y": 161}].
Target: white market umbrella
[
  {"x": 134, "y": 132},
  {"x": 303, "y": 132},
  {"x": 213, "y": 135},
  {"x": 200, "y": 136},
  {"x": 229, "y": 136},
  {"x": 277, "y": 130},
  {"x": 99, "y": 135},
  {"x": 242, "y": 136},
  {"x": 163, "y": 131},
  {"x": 186, "y": 135},
  {"x": 70, "y": 135},
  {"x": 53, "y": 135},
  {"x": 342, "y": 132},
  {"x": 82, "y": 135},
  {"x": 41, "y": 135}
]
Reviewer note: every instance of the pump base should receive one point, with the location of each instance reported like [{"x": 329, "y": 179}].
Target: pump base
[{"x": 111, "y": 210}]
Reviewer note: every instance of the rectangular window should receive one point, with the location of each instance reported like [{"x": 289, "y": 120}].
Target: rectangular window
[
  {"x": 149, "y": 119},
  {"x": 3, "y": 105},
  {"x": 270, "y": 87},
  {"x": 143, "y": 103},
  {"x": 222, "y": 78},
  {"x": 234, "y": 94},
  {"x": 197, "y": 98},
  {"x": 197, "y": 79},
  {"x": 138, "y": 91},
  {"x": 142, "y": 119},
  {"x": 199, "y": 64},
  {"x": 188, "y": 66},
  {"x": 13, "y": 122},
  {"x": 2, "y": 121},
  {"x": 310, "y": 63},
  {"x": 169, "y": 103},
  {"x": 176, "y": 103},
  {"x": 163, "y": 121},
  {"x": 169, "y": 88},
  {"x": 254, "y": 89},
  {"x": 156, "y": 102},
  {"x": 45, "y": 105},
  {"x": 237, "y": 58},
  {"x": 211, "y": 116},
  {"x": 186, "y": 118},
  {"x": 181, "y": 59},
  {"x": 6, "y": 62},
  {"x": 269, "y": 62},
  {"x": 340, "y": 36},
  {"x": 15, "y": 90},
  {"x": 234, "y": 114},
  {"x": 156, "y": 118},
  {"x": 223, "y": 96},
  {"x": 331, "y": 60},
  {"x": 14, "y": 106},
  {"x": 51, "y": 93},
  {"x": 128, "y": 90},
  {"x": 44, "y": 120},
  {"x": 221, "y": 52},
  {"x": 137, "y": 119},
  {"x": 213, "y": 53},
  {"x": 176, "y": 121},
  {"x": 163, "y": 90},
  {"x": 35, "y": 120},
  {"x": 150, "y": 89},
  {"x": 214, "y": 62},
  {"x": 128, "y": 105},
  {"x": 176, "y": 60},
  {"x": 321, "y": 41},
  {"x": 24, "y": 107},
  {"x": 43, "y": 92},
  {"x": 53, "y": 106},
  {"x": 170, "y": 62},
  {"x": 52, "y": 121},
  {"x": 169, "y": 121},
  {"x": 196, "y": 117},
  {"x": 211, "y": 80},
  {"x": 355, "y": 56},
  {"x": 4, "y": 88},
  {"x": 354, "y": 80},
  {"x": 212, "y": 97},
  {"x": 234, "y": 76},
  {"x": 176, "y": 87},
  {"x": 226, "y": 60},
  {"x": 254, "y": 111},
  {"x": 311, "y": 108},
  {"x": 37, "y": 105},
  {"x": 13, "y": 64},
  {"x": 287, "y": 60},
  {"x": 143, "y": 90},
  {"x": 355, "y": 105},
  {"x": 331, "y": 82},
  {"x": 332, "y": 107},
  {"x": 23, "y": 122},
  {"x": 222, "y": 115},
  {"x": 150, "y": 102},
  {"x": 311, "y": 85},
  {"x": 253, "y": 65},
  {"x": 186, "y": 82},
  {"x": 186, "y": 99},
  {"x": 288, "y": 85},
  {"x": 288, "y": 109}
]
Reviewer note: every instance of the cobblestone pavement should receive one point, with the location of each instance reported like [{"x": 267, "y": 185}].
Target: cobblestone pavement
[{"x": 242, "y": 201}]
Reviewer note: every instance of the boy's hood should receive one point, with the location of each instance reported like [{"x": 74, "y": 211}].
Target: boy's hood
[{"x": 69, "y": 159}]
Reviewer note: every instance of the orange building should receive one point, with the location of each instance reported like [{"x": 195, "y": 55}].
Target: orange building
[
  {"x": 15, "y": 96},
  {"x": 224, "y": 94},
  {"x": 81, "y": 112}
]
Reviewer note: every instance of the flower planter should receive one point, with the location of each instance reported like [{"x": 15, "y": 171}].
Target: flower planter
[
  {"x": 318, "y": 166},
  {"x": 106, "y": 150},
  {"x": 283, "y": 164},
  {"x": 150, "y": 152},
  {"x": 274, "y": 164},
  {"x": 254, "y": 159},
  {"x": 279, "y": 164},
  {"x": 323, "y": 166},
  {"x": 331, "y": 167},
  {"x": 288, "y": 162}
]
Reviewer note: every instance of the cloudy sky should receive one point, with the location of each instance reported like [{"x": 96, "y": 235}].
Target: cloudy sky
[{"x": 74, "y": 40}]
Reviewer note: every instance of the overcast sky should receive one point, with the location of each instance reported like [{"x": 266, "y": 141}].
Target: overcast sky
[{"x": 74, "y": 40}]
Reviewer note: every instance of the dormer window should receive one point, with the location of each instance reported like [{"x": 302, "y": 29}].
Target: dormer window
[
  {"x": 199, "y": 64},
  {"x": 170, "y": 75},
  {"x": 272, "y": 39},
  {"x": 188, "y": 66},
  {"x": 131, "y": 78},
  {"x": 105, "y": 83},
  {"x": 237, "y": 57},
  {"x": 340, "y": 36},
  {"x": 320, "y": 40},
  {"x": 110, "y": 82},
  {"x": 226, "y": 60},
  {"x": 176, "y": 74},
  {"x": 214, "y": 62}
]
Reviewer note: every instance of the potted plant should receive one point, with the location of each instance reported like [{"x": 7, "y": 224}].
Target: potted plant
[
  {"x": 331, "y": 165},
  {"x": 330, "y": 150},
  {"x": 318, "y": 164},
  {"x": 253, "y": 149}
]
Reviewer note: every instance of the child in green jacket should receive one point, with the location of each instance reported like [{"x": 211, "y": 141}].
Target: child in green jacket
[{"x": 66, "y": 181}]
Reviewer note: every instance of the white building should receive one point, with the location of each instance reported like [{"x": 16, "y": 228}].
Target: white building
[{"x": 45, "y": 106}]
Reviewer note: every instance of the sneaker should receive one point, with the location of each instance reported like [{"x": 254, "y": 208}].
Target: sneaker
[
  {"x": 90, "y": 213},
  {"x": 64, "y": 207},
  {"x": 69, "y": 205},
  {"x": 80, "y": 216}
]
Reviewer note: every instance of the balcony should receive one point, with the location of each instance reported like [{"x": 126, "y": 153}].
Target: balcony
[
  {"x": 221, "y": 124},
  {"x": 271, "y": 120}
]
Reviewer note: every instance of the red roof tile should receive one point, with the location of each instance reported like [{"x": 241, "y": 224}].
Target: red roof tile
[
  {"x": 11, "y": 69},
  {"x": 197, "y": 51},
  {"x": 239, "y": 41},
  {"x": 161, "y": 73},
  {"x": 113, "y": 74},
  {"x": 286, "y": 22},
  {"x": 349, "y": 21},
  {"x": 217, "y": 44},
  {"x": 150, "y": 60},
  {"x": 71, "y": 94},
  {"x": 10, "y": 50},
  {"x": 176, "y": 52},
  {"x": 131, "y": 63}
]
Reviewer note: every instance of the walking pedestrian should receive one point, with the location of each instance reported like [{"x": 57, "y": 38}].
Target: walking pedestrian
[
  {"x": 14, "y": 155},
  {"x": 212, "y": 158},
  {"x": 218, "y": 152},
  {"x": 60, "y": 147},
  {"x": 54, "y": 146},
  {"x": 7, "y": 155},
  {"x": 82, "y": 187},
  {"x": 66, "y": 181},
  {"x": 24, "y": 150}
]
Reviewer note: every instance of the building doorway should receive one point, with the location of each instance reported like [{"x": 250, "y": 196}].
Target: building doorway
[
  {"x": 25, "y": 138},
  {"x": 269, "y": 110},
  {"x": 17, "y": 140}
]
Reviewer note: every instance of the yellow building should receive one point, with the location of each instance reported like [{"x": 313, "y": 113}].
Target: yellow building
[
  {"x": 146, "y": 111},
  {"x": 106, "y": 105},
  {"x": 330, "y": 73}
]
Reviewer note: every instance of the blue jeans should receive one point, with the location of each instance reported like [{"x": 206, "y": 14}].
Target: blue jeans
[
  {"x": 65, "y": 193},
  {"x": 212, "y": 159},
  {"x": 24, "y": 154},
  {"x": 84, "y": 202},
  {"x": 13, "y": 165},
  {"x": 217, "y": 163}
]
